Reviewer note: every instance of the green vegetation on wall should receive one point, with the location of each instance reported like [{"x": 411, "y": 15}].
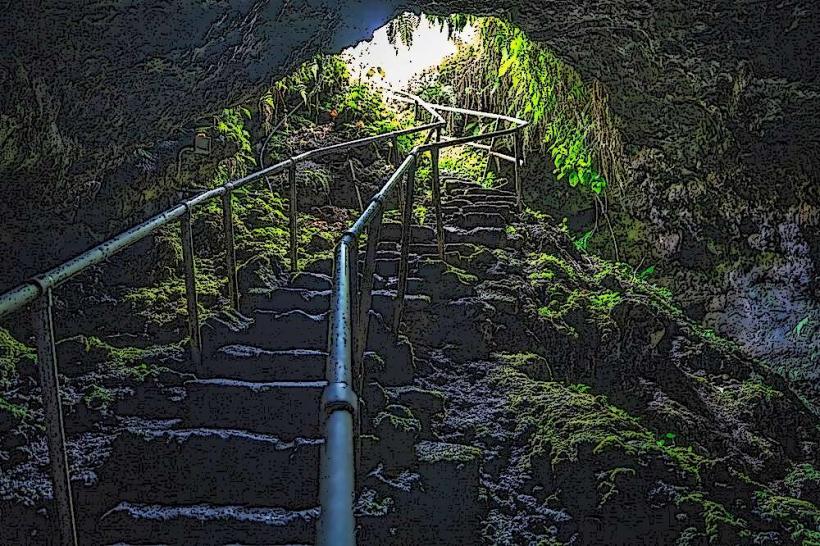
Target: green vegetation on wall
[{"x": 505, "y": 71}]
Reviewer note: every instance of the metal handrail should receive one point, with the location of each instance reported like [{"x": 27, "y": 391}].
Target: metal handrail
[
  {"x": 350, "y": 317},
  {"x": 350, "y": 304},
  {"x": 39, "y": 289}
]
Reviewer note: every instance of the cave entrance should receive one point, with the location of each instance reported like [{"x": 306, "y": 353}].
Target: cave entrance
[{"x": 404, "y": 49}]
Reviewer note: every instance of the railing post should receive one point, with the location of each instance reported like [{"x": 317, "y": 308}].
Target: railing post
[
  {"x": 230, "y": 249},
  {"x": 366, "y": 297},
  {"x": 436, "y": 183},
  {"x": 55, "y": 430},
  {"x": 187, "y": 236},
  {"x": 490, "y": 152},
  {"x": 517, "y": 145},
  {"x": 406, "y": 239},
  {"x": 294, "y": 219},
  {"x": 395, "y": 155}
]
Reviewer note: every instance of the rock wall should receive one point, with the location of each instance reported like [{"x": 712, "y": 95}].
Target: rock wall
[{"x": 717, "y": 104}]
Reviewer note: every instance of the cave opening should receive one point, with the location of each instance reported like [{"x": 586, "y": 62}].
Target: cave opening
[{"x": 601, "y": 329}]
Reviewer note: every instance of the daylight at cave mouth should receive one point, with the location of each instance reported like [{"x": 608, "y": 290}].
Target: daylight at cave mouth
[{"x": 381, "y": 272}]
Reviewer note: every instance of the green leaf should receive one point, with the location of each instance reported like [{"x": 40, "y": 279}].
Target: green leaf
[
  {"x": 505, "y": 67},
  {"x": 798, "y": 330},
  {"x": 646, "y": 273},
  {"x": 598, "y": 184}
]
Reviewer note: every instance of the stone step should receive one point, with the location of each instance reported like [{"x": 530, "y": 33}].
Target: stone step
[
  {"x": 428, "y": 249},
  {"x": 269, "y": 330},
  {"x": 248, "y": 363},
  {"x": 284, "y": 300},
  {"x": 478, "y": 190},
  {"x": 470, "y": 220},
  {"x": 492, "y": 237},
  {"x": 489, "y": 200},
  {"x": 206, "y": 524},
  {"x": 415, "y": 285},
  {"x": 391, "y": 231},
  {"x": 505, "y": 210},
  {"x": 434, "y": 282},
  {"x": 311, "y": 281},
  {"x": 452, "y": 184},
  {"x": 288, "y": 409},
  {"x": 322, "y": 267},
  {"x": 384, "y": 302},
  {"x": 188, "y": 466}
]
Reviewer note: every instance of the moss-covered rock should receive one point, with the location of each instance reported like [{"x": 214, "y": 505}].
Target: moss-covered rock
[
  {"x": 442, "y": 452},
  {"x": 13, "y": 354}
]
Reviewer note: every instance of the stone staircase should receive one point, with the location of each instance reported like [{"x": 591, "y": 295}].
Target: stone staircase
[{"x": 234, "y": 459}]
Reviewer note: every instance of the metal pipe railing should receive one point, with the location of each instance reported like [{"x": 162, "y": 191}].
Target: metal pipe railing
[
  {"x": 349, "y": 314},
  {"x": 337, "y": 493}
]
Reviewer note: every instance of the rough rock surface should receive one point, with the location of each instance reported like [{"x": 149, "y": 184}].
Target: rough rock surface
[{"x": 98, "y": 99}]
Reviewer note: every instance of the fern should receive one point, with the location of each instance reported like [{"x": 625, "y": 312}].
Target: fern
[
  {"x": 402, "y": 29},
  {"x": 506, "y": 71}
]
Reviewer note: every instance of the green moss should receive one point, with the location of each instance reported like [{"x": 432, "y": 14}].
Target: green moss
[
  {"x": 534, "y": 216},
  {"x": 98, "y": 397},
  {"x": 608, "y": 487},
  {"x": 566, "y": 420},
  {"x": 712, "y": 338},
  {"x": 800, "y": 517},
  {"x": 718, "y": 521},
  {"x": 437, "y": 452},
  {"x": 17, "y": 412},
  {"x": 598, "y": 305},
  {"x": 12, "y": 354},
  {"x": 125, "y": 362},
  {"x": 604, "y": 302},
  {"x": 399, "y": 418},
  {"x": 164, "y": 303},
  {"x": 799, "y": 475},
  {"x": 555, "y": 265},
  {"x": 530, "y": 363},
  {"x": 749, "y": 395},
  {"x": 541, "y": 276},
  {"x": 462, "y": 276},
  {"x": 466, "y": 163}
]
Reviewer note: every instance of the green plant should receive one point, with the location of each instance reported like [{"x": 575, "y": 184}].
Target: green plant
[
  {"x": 800, "y": 326},
  {"x": 511, "y": 73},
  {"x": 582, "y": 242},
  {"x": 605, "y": 301},
  {"x": 314, "y": 86},
  {"x": 580, "y": 388},
  {"x": 420, "y": 212},
  {"x": 646, "y": 273},
  {"x": 98, "y": 397},
  {"x": 667, "y": 439},
  {"x": 402, "y": 28},
  {"x": 468, "y": 164},
  {"x": 17, "y": 412},
  {"x": 12, "y": 354},
  {"x": 231, "y": 125}
]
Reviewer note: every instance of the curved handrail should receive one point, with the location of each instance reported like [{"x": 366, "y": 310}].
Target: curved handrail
[
  {"x": 349, "y": 323},
  {"x": 29, "y": 290},
  {"x": 349, "y": 313}
]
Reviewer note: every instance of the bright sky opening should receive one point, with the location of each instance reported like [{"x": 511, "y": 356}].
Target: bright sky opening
[{"x": 401, "y": 63}]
